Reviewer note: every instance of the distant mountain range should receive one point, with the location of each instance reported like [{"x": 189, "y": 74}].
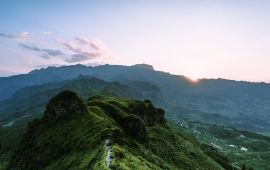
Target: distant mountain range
[
  {"x": 78, "y": 117},
  {"x": 239, "y": 104},
  {"x": 30, "y": 101}
]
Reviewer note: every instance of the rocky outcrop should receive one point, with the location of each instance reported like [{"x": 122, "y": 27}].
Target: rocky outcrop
[
  {"x": 135, "y": 127},
  {"x": 151, "y": 115},
  {"x": 64, "y": 104}
]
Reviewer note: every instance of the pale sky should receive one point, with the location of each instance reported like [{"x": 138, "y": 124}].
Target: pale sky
[{"x": 196, "y": 38}]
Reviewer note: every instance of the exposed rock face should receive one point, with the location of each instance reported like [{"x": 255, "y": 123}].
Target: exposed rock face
[{"x": 65, "y": 103}]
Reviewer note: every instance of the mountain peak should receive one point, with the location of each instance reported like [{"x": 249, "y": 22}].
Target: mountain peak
[
  {"x": 65, "y": 103},
  {"x": 53, "y": 68},
  {"x": 144, "y": 66}
]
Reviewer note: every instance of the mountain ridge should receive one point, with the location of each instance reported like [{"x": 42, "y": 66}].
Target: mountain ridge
[
  {"x": 245, "y": 105},
  {"x": 35, "y": 97},
  {"x": 147, "y": 66},
  {"x": 69, "y": 137}
]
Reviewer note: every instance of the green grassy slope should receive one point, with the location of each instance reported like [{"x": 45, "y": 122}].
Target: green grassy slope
[
  {"x": 239, "y": 147},
  {"x": 9, "y": 138},
  {"x": 105, "y": 133}
]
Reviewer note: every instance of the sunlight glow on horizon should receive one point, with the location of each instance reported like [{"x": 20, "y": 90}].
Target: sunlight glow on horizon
[
  {"x": 197, "y": 39},
  {"x": 193, "y": 80}
]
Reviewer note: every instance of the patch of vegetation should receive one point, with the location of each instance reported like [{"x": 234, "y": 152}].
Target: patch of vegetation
[
  {"x": 239, "y": 148},
  {"x": 213, "y": 153},
  {"x": 107, "y": 134},
  {"x": 9, "y": 138}
]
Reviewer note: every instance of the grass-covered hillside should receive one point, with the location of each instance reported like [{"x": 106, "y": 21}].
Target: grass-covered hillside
[
  {"x": 105, "y": 133},
  {"x": 240, "y": 148}
]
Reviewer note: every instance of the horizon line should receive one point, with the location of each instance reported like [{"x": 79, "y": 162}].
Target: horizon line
[{"x": 174, "y": 74}]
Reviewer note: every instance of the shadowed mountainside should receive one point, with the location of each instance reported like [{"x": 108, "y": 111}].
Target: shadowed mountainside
[{"x": 31, "y": 100}]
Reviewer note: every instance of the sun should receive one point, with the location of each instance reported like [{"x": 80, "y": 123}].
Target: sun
[{"x": 193, "y": 79}]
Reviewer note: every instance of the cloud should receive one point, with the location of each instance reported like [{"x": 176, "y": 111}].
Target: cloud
[
  {"x": 46, "y": 32},
  {"x": 45, "y": 52},
  {"x": 78, "y": 49},
  {"x": 97, "y": 45},
  {"x": 21, "y": 35},
  {"x": 24, "y": 35},
  {"x": 83, "y": 49},
  {"x": 82, "y": 40},
  {"x": 7, "y": 35},
  {"x": 73, "y": 47},
  {"x": 77, "y": 58},
  {"x": 80, "y": 57}
]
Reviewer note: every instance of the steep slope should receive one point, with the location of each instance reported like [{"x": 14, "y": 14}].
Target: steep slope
[
  {"x": 239, "y": 147},
  {"x": 105, "y": 133}
]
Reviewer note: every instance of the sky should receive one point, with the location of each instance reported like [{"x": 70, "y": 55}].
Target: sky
[{"x": 196, "y": 38}]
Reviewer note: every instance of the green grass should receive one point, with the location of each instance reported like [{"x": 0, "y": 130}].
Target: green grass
[
  {"x": 9, "y": 138},
  {"x": 76, "y": 141},
  {"x": 257, "y": 156}
]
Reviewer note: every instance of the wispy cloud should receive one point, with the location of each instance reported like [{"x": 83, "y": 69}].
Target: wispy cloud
[
  {"x": 81, "y": 57},
  {"x": 73, "y": 47},
  {"x": 6, "y": 35},
  {"x": 46, "y": 32},
  {"x": 44, "y": 52},
  {"x": 21, "y": 35},
  {"x": 82, "y": 40},
  {"x": 96, "y": 44},
  {"x": 76, "y": 50},
  {"x": 24, "y": 35},
  {"x": 83, "y": 49}
]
